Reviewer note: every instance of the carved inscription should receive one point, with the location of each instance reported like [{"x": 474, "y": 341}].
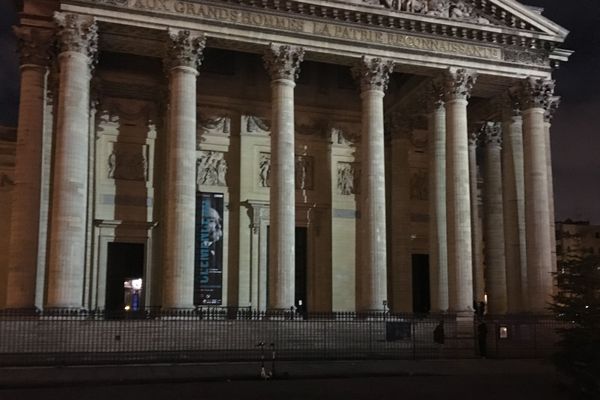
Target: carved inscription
[{"x": 332, "y": 30}]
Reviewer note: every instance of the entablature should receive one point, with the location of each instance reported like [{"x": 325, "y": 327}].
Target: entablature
[{"x": 330, "y": 31}]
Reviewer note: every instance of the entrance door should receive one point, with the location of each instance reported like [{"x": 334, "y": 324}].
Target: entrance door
[
  {"x": 420, "y": 283},
  {"x": 301, "y": 294},
  {"x": 124, "y": 278}
]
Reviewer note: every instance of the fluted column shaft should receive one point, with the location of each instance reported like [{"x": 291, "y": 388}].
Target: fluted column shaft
[
  {"x": 66, "y": 260},
  {"x": 459, "y": 83},
  {"x": 495, "y": 261},
  {"x": 283, "y": 63},
  {"x": 371, "y": 284},
  {"x": 438, "y": 261},
  {"x": 476, "y": 223},
  {"x": 535, "y": 97},
  {"x": 554, "y": 103},
  {"x": 185, "y": 49},
  {"x": 514, "y": 212},
  {"x": 25, "y": 215}
]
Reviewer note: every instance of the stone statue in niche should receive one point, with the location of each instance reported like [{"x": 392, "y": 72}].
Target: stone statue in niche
[
  {"x": 212, "y": 169},
  {"x": 303, "y": 172},
  {"x": 112, "y": 164},
  {"x": 264, "y": 170},
  {"x": 347, "y": 179},
  {"x": 419, "y": 185},
  {"x": 127, "y": 164}
]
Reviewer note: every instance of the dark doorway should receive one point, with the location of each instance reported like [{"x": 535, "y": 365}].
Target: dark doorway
[
  {"x": 420, "y": 283},
  {"x": 124, "y": 278},
  {"x": 300, "y": 296}
]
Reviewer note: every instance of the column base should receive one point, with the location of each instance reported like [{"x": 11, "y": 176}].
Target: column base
[{"x": 465, "y": 327}]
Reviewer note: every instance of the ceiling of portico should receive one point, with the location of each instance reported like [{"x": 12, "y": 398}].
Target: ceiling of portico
[{"x": 406, "y": 82}]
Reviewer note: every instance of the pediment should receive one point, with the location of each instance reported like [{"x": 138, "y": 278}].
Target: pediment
[{"x": 497, "y": 13}]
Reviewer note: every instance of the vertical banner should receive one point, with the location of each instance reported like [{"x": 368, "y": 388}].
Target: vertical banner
[{"x": 208, "y": 263}]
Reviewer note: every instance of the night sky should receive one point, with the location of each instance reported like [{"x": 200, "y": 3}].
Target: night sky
[{"x": 575, "y": 129}]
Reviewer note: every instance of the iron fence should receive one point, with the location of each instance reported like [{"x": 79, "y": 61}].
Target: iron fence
[{"x": 55, "y": 337}]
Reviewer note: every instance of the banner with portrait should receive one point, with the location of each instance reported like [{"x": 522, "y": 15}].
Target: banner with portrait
[{"x": 208, "y": 260}]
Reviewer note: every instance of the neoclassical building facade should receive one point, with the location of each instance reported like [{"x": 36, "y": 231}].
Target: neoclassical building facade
[{"x": 348, "y": 155}]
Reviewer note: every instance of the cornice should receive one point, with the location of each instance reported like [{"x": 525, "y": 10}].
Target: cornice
[{"x": 506, "y": 31}]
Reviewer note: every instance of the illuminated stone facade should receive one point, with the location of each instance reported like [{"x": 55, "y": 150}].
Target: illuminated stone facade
[{"x": 313, "y": 154}]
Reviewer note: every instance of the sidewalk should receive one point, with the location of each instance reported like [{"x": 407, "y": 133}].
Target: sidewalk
[{"x": 129, "y": 374}]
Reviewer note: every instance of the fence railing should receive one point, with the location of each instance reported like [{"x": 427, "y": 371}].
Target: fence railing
[{"x": 82, "y": 337}]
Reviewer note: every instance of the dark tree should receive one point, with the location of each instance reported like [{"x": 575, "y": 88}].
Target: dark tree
[{"x": 577, "y": 303}]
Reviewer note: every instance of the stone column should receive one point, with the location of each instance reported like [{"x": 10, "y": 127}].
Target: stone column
[
  {"x": 77, "y": 38},
  {"x": 514, "y": 207},
  {"x": 400, "y": 269},
  {"x": 476, "y": 228},
  {"x": 535, "y": 98},
  {"x": 493, "y": 219},
  {"x": 553, "y": 106},
  {"x": 438, "y": 259},
  {"x": 371, "y": 276},
  {"x": 184, "y": 50},
  {"x": 34, "y": 48},
  {"x": 283, "y": 64},
  {"x": 459, "y": 83}
]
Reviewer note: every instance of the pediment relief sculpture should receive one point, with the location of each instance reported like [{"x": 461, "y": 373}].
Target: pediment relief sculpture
[{"x": 463, "y": 10}]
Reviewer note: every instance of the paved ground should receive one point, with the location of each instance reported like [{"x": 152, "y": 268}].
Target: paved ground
[{"x": 372, "y": 380}]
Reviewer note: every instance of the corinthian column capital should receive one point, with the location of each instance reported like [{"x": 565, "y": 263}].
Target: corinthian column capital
[
  {"x": 459, "y": 83},
  {"x": 78, "y": 33},
  {"x": 536, "y": 93},
  {"x": 283, "y": 61},
  {"x": 34, "y": 45},
  {"x": 373, "y": 73},
  {"x": 552, "y": 107},
  {"x": 510, "y": 103},
  {"x": 435, "y": 95},
  {"x": 184, "y": 48},
  {"x": 491, "y": 134}
]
